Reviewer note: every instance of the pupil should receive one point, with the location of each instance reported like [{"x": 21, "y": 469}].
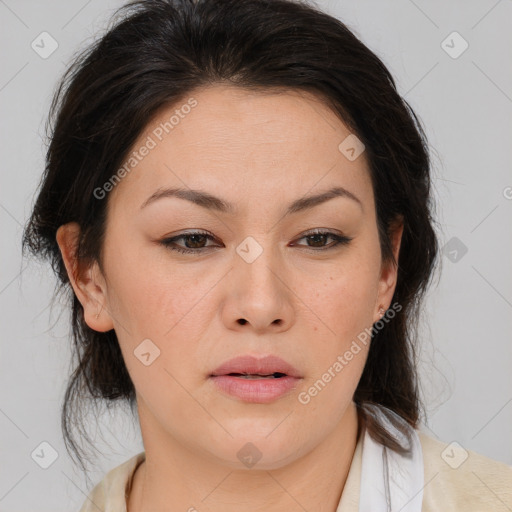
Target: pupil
[
  {"x": 322, "y": 237},
  {"x": 191, "y": 237}
]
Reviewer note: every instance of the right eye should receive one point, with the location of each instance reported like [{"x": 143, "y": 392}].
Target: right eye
[{"x": 195, "y": 241}]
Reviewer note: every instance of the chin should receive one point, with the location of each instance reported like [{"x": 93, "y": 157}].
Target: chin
[{"x": 265, "y": 448}]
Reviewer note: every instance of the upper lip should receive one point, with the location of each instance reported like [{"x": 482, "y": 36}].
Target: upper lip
[{"x": 256, "y": 366}]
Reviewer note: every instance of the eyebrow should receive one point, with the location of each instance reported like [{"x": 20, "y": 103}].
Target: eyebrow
[{"x": 210, "y": 202}]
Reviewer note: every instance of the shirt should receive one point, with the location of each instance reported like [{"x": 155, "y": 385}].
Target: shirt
[{"x": 456, "y": 480}]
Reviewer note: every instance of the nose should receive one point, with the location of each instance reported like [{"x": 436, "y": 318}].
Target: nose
[{"x": 258, "y": 296}]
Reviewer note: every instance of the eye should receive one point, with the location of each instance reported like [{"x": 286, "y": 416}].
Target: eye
[
  {"x": 194, "y": 242},
  {"x": 318, "y": 237}
]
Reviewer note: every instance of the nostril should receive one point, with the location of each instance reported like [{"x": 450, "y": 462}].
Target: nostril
[{"x": 242, "y": 321}]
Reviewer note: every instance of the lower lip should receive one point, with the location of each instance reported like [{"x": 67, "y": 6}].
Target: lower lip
[{"x": 260, "y": 391}]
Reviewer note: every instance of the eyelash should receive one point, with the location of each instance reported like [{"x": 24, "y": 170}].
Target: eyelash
[{"x": 168, "y": 242}]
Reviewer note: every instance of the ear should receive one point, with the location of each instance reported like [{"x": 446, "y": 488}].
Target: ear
[
  {"x": 389, "y": 271},
  {"x": 88, "y": 282}
]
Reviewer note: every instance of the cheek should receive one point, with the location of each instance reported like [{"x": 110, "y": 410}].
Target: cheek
[
  {"x": 343, "y": 307},
  {"x": 170, "y": 306},
  {"x": 340, "y": 338},
  {"x": 150, "y": 295},
  {"x": 166, "y": 308},
  {"x": 344, "y": 296}
]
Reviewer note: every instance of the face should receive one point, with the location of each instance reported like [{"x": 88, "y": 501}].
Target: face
[{"x": 188, "y": 284}]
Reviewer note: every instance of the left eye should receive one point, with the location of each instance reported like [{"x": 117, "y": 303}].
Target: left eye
[
  {"x": 318, "y": 237},
  {"x": 197, "y": 240}
]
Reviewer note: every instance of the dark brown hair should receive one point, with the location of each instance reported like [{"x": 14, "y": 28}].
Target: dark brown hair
[{"x": 156, "y": 53}]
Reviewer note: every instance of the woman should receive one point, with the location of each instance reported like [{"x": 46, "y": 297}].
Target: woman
[{"x": 240, "y": 202}]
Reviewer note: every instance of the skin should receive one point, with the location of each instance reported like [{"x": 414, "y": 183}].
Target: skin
[{"x": 259, "y": 152}]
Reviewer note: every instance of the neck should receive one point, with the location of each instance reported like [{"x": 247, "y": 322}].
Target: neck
[{"x": 175, "y": 478}]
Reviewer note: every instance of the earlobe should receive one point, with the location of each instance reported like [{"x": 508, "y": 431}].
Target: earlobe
[{"x": 84, "y": 280}]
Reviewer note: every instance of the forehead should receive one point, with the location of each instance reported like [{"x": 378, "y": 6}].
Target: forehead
[{"x": 249, "y": 144}]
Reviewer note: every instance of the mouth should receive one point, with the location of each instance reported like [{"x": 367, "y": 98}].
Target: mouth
[
  {"x": 275, "y": 375},
  {"x": 255, "y": 388},
  {"x": 251, "y": 367},
  {"x": 256, "y": 380}
]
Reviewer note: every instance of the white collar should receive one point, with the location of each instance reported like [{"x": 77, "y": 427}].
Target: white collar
[{"x": 391, "y": 482}]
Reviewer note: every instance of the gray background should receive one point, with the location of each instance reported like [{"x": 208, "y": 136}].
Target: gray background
[{"x": 466, "y": 352}]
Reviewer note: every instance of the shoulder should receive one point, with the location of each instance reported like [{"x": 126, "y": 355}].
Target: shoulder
[
  {"x": 110, "y": 492},
  {"x": 459, "y": 479}
]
